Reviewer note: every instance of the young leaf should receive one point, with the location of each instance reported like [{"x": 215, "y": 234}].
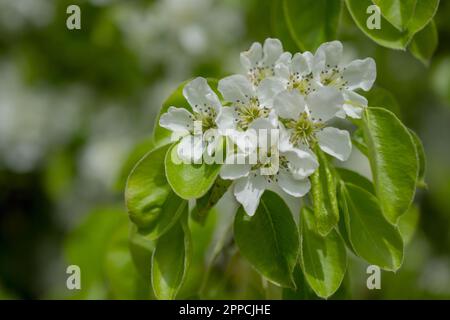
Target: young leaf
[
  {"x": 371, "y": 236},
  {"x": 170, "y": 261},
  {"x": 151, "y": 204},
  {"x": 323, "y": 188},
  {"x": 312, "y": 22},
  {"x": 269, "y": 240},
  {"x": 423, "y": 14},
  {"x": 189, "y": 181},
  {"x": 393, "y": 160},
  {"x": 425, "y": 43},
  {"x": 323, "y": 259}
]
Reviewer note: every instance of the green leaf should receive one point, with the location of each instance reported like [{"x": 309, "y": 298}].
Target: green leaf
[
  {"x": 407, "y": 224},
  {"x": 389, "y": 35},
  {"x": 422, "y": 159},
  {"x": 269, "y": 240},
  {"x": 189, "y": 181},
  {"x": 312, "y": 22},
  {"x": 355, "y": 178},
  {"x": 371, "y": 236},
  {"x": 359, "y": 142},
  {"x": 393, "y": 160},
  {"x": 425, "y": 43},
  {"x": 279, "y": 27},
  {"x": 323, "y": 259},
  {"x": 171, "y": 260},
  {"x": 323, "y": 188},
  {"x": 161, "y": 136},
  {"x": 397, "y": 12},
  {"x": 423, "y": 14},
  {"x": 151, "y": 203}
]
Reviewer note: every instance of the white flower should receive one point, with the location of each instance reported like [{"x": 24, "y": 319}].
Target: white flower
[
  {"x": 248, "y": 103},
  {"x": 283, "y": 170},
  {"x": 329, "y": 69},
  {"x": 259, "y": 61},
  {"x": 305, "y": 73},
  {"x": 206, "y": 108},
  {"x": 305, "y": 121}
]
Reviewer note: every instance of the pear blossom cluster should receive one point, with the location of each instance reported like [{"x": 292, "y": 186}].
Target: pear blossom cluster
[{"x": 297, "y": 96}]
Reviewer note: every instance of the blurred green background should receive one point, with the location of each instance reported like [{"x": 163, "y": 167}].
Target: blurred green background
[{"x": 77, "y": 109}]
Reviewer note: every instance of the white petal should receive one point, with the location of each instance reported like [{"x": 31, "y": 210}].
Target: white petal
[
  {"x": 272, "y": 51},
  {"x": 248, "y": 192},
  {"x": 335, "y": 142},
  {"x": 301, "y": 162},
  {"x": 354, "y": 104},
  {"x": 302, "y": 63},
  {"x": 226, "y": 119},
  {"x": 325, "y": 103},
  {"x": 235, "y": 167},
  {"x": 360, "y": 74},
  {"x": 268, "y": 89},
  {"x": 331, "y": 52},
  {"x": 236, "y": 87},
  {"x": 177, "y": 120},
  {"x": 294, "y": 187},
  {"x": 250, "y": 58},
  {"x": 282, "y": 65},
  {"x": 199, "y": 95},
  {"x": 190, "y": 149},
  {"x": 289, "y": 104}
]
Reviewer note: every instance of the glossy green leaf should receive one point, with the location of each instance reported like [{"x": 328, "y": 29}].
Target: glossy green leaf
[
  {"x": 170, "y": 261},
  {"x": 312, "y": 22},
  {"x": 279, "y": 27},
  {"x": 425, "y": 43},
  {"x": 151, "y": 203},
  {"x": 323, "y": 190},
  {"x": 371, "y": 236},
  {"x": 141, "y": 250},
  {"x": 189, "y": 181},
  {"x": 397, "y": 12},
  {"x": 161, "y": 135},
  {"x": 323, "y": 258},
  {"x": 393, "y": 160},
  {"x": 389, "y": 35},
  {"x": 269, "y": 240}
]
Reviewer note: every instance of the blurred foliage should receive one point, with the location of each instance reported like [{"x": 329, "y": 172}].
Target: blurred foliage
[{"x": 77, "y": 110}]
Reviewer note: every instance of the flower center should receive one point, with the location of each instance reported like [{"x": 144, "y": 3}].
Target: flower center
[
  {"x": 207, "y": 116},
  {"x": 332, "y": 76},
  {"x": 300, "y": 83},
  {"x": 259, "y": 73},
  {"x": 249, "y": 111},
  {"x": 304, "y": 130}
]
